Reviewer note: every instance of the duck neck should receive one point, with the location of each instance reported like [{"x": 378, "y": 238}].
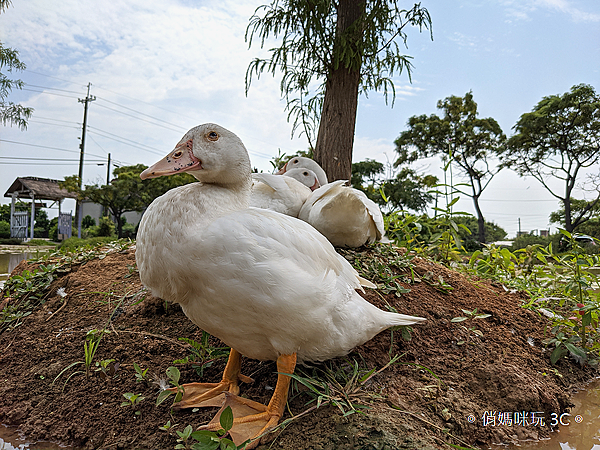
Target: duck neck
[{"x": 225, "y": 198}]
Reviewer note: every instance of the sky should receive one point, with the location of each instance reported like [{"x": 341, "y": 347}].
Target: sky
[{"x": 160, "y": 67}]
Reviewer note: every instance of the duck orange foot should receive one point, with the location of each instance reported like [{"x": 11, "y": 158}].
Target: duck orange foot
[
  {"x": 213, "y": 394},
  {"x": 251, "y": 419}
]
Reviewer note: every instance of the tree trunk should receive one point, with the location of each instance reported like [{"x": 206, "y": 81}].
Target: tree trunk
[
  {"x": 480, "y": 220},
  {"x": 568, "y": 222},
  {"x": 333, "y": 150}
]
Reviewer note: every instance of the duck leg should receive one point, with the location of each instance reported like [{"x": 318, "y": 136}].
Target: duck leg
[
  {"x": 213, "y": 394},
  {"x": 251, "y": 419}
]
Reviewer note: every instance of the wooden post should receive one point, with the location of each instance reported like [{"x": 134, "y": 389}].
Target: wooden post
[
  {"x": 12, "y": 213},
  {"x": 32, "y": 213}
]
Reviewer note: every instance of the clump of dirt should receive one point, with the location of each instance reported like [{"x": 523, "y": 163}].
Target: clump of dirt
[{"x": 454, "y": 382}]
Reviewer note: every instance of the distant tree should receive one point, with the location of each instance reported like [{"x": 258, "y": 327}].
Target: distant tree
[
  {"x": 41, "y": 216},
  {"x": 126, "y": 191},
  {"x": 493, "y": 232},
  {"x": 580, "y": 208},
  {"x": 404, "y": 190},
  {"x": 330, "y": 53},
  {"x": 87, "y": 222},
  {"x": 557, "y": 139},
  {"x": 11, "y": 113},
  {"x": 460, "y": 137}
]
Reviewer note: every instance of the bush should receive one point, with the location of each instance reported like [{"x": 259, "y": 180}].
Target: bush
[
  {"x": 87, "y": 222},
  {"x": 10, "y": 241},
  {"x": 129, "y": 231},
  {"x": 4, "y": 229},
  {"x": 527, "y": 239},
  {"x": 39, "y": 232},
  {"x": 74, "y": 243},
  {"x": 106, "y": 228}
]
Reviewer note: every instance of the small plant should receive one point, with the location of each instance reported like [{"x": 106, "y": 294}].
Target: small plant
[
  {"x": 340, "y": 385},
  {"x": 90, "y": 345},
  {"x": 133, "y": 400},
  {"x": 168, "y": 427},
  {"x": 208, "y": 440},
  {"x": 173, "y": 375},
  {"x": 470, "y": 315},
  {"x": 140, "y": 375},
  {"x": 106, "y": 368},
  {"x": 565, "y": 345},
  {"x": 203, "y": 354}
]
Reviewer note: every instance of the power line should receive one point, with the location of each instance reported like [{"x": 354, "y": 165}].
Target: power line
[
  {"x": 54, "y": 124},
  {"x": 122, "y": 140},
  {"x": 8, "y": 163},
  {"x": 45, "y": 159},
  {"x": 138, "y": 118},
  {"x": 45, "y": 146},
  {"x": 143, "y": 114},
  {"x": 50, "y": 76},
  {"x": 58, "y": 120},
  {"x": 49, "y": 93},
  {"x": 51, "y": 88}
]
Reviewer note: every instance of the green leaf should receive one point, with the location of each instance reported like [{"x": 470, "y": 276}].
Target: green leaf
[
  {"x": 558, "y": 353},
  {"x": 173, "y": 374},
  {"x": 458, "y": 319},
  {"x": 226, "y": 419},
  {"x": 226, "y": 444},
  {"x": 576, "y": 351},
  {"x": 163, "y": 396}
]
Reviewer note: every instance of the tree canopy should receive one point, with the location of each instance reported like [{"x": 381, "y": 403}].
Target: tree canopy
[
  {"x": 404, "y": 190},
  {"x": 460, "y": 138},
  {"x": 11, "y": 113},
  {"x": 558, "y": 139},
  {"x": 127, "y": 191},
  {"x": 330, "y": 53}
]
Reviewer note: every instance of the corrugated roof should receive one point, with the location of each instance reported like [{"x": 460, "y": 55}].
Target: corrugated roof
[{"x": 42, "y": 188}]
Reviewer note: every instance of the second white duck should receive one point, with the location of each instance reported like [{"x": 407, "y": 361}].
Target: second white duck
[
  {"x": 284, "y": 194},
  {"x": 344, "y": 215}
]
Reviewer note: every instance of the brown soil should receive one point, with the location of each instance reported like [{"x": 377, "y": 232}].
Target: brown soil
[{"x": 448, "y": 378}]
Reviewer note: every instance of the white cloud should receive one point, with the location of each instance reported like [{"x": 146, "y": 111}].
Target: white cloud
[{"x": 522, "y": 10}]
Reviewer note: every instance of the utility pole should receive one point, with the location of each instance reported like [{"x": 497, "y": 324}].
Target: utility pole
[
  {"x": 85, "y": 102},
  {"x": 105, "y": 209},
  {"x": 108, "y": 171}
]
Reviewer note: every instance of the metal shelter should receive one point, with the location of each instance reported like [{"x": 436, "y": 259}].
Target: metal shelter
[{"x": 33, "y": 188}]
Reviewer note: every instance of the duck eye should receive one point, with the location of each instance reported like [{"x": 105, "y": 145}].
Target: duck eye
[
  {"x": 296, "y": 161},
  {"x": 305, "y": 174},
  {"x": 212, "y": 136}
]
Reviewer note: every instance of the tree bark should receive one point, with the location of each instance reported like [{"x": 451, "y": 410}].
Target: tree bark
[
  {"x": 480, "y": 220},
  {"x": 333, "y": 150}
]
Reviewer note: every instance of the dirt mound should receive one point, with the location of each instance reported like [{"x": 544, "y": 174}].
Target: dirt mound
[{"x": 454, "y": 382}]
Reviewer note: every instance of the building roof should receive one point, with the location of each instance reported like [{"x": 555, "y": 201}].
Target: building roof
[{"x": 42, "y": 189}]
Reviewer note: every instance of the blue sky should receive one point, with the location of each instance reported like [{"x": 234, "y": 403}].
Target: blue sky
[{"x": 159, "y": 68}]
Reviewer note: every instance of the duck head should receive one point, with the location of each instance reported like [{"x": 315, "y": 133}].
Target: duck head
[
  {"x": 209, "y": 152},
  {"x": 301, "y": 162},
  {"x": 305, "y": 176}
]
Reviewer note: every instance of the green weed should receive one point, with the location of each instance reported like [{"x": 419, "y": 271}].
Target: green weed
[
  {"x": 173, "y": 375},
  {"x": 133, "y": 401},
  {"x": 203, "y": 354},
  {"x": 140, "y": 375}
]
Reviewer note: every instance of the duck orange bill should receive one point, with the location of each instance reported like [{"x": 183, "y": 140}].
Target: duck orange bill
[
  {"x": 282, "y": 170},
  {"x": 179, "y": 160}
]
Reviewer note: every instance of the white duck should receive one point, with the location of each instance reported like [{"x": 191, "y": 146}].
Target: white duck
[
  {"x": 266, "y": 284},
  {"x": 344, "y": 215},
  {"x": 284, "y": 194},
  {"x": 301, "y": 162}
]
